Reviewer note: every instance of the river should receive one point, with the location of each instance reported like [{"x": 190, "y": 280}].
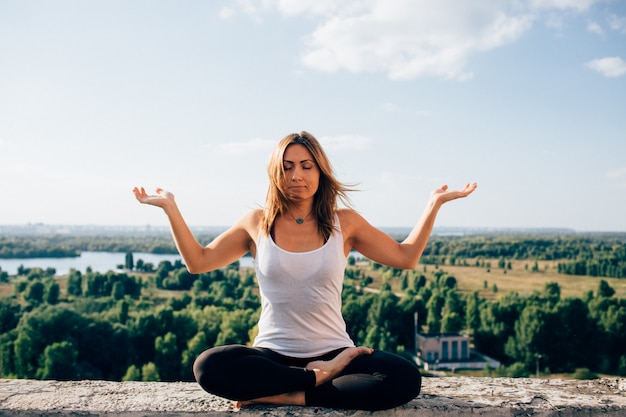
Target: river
[{"x": 98, "y": 262}]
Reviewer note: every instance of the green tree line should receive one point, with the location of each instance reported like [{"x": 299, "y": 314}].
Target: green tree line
[
  {"x": 600, "y": 255},
  {"x": 125, "y": 326},
  {"x": 593, "y": 254}
]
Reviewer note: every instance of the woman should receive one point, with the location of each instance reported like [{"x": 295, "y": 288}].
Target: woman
[{"x": 300, "y": 240}]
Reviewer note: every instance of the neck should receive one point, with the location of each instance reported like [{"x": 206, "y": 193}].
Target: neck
[{"x": 298, "y": 217}]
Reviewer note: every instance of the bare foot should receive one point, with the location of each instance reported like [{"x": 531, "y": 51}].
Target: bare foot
[
  {"x": 290, "y": 398},
  {"x": 327, "y": 370}
]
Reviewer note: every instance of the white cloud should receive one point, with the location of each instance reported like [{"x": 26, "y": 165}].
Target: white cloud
[
  {"x": 249, "y": 146},
  {"x": 346, "y": 143},
  {"x": 594, "y": 27},
  {"x": 315, "y": 7},
  {"x": 407, "y": 39},
  {"x": 252, "y": 8},
  {"x": 554, "y": 21},
  {"x": 617, "y": 23},
  {"x": 578, "y": 5},
  {"x": 617, "y": 173},
  {"x": 612, "y": 66},
  {"x": 226, "y": 12}
]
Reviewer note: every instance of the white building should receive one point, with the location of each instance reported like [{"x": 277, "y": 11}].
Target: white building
[{"x": 449, "y": 351}]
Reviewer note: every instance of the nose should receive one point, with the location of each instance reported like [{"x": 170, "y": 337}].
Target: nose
[{"x": 296, "y": 174}]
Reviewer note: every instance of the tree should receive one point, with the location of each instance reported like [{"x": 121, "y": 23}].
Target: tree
[
  {"x": 530, "y": 336},
  {"x": 118, "y": 292},
  {"x": 418, "y": 282},
  {"x": 234, "y": 328},
  {"x": 143, "y": 330},
  {"x": 74, "y": 283},
  {"x": 59, "y": 362},
  {"x": 9, "y": 314},
  {"x": 572, "y": 335},
  {"x": 472, "y": 314},
  {"x": 52, "y": 292},
  {"x": 354, "y": 311},
  {"x": 453, "y": 312},
  {"x": 195, "y": 347},
  {"x": 150, "y": 373},
  {"x": 25, "y": 356},
  {"x": 552, "y": 292},
  {"x": 605, "y": 290},
  {"x": 497, "y": 321},
  {"x": 35, "y": 292},
  {"x": 7, "y": 355},
  {"x": 409, "y": 306},
  {"x": 435, "y": 308},
  {"x": 122, "y": 312},
  {"x": 384, "y": 322},
  {"x": 132, "y": 374},
  {"x": 167, "y": 358},
  {"x": 621, "y": 368},
  {"x": 129, "y": 263}
]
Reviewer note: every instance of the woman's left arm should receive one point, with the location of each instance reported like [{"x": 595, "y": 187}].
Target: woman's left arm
[{"x": 381, "y": 248}]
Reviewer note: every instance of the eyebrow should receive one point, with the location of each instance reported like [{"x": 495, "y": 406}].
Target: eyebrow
[{"x": 303, "y": 161}]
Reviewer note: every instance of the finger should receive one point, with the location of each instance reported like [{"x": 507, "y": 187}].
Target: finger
[
  {"x": 363, "y": 350},
  {"x": 138, "y": 192}
]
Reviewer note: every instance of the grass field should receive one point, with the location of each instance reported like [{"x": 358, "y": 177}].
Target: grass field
[{"x": 520, "y": 279}]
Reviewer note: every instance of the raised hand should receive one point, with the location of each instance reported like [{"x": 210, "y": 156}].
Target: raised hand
[
  {"x": 160, "y": 199},
  {"x": 443, "y": 195}
]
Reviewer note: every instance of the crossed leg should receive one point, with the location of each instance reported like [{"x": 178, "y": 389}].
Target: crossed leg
[{"x": 324, "y": 371}]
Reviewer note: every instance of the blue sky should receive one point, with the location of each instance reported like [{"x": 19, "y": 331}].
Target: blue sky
[{"x": 527, "y": 98}]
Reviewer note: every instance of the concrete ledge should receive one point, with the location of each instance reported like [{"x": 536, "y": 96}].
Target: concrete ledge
[{"x": 455, "y": 396}]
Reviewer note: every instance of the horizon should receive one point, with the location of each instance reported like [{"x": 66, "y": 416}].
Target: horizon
[{"x": 165, "y": 228}]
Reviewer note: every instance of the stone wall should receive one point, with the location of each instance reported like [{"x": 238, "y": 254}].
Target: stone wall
[{"x": 453, "y": 396}]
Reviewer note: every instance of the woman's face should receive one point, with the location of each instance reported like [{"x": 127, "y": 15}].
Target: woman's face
[{"x": 302, "y": 175}]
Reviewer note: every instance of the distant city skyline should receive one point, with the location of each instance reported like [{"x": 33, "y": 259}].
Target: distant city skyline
[{"x": 525, "y": 98}]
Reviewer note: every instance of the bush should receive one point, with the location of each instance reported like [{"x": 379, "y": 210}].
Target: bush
[{"x": 584, "y": 373}]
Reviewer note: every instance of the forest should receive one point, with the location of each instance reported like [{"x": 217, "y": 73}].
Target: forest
[{"x": 150, "y": 323}]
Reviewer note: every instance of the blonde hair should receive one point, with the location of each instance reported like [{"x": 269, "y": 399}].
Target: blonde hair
[{"x": 326, "y": 198}]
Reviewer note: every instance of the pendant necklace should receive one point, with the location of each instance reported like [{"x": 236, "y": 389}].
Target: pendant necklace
[{"x": 299, "y": 220}]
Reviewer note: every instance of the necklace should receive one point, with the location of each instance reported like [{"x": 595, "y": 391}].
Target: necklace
[{"x": 299, "y": 220}]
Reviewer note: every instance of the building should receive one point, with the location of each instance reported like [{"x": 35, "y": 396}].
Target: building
[{"x": 449, "y": 351}]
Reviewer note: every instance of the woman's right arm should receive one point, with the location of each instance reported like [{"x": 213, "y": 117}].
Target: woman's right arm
[{"x": 222, "y": 251}]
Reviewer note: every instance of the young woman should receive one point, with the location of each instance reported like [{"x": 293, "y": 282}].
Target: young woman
[{"x": 300, "y": 241}]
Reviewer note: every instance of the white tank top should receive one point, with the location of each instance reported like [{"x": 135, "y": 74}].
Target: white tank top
[{"x": 301, "y": 298}]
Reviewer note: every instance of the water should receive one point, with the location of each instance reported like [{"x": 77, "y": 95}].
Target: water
[{"x": 98, "y": 262}]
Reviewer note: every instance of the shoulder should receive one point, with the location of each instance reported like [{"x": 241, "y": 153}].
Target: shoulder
[
  {"x": 253, "y": 216},
  {"x": 251, "y": 222},
  {"x": 246, "y": 229},
  {"x": 350, "y": 221},
  {"x": 247, "y": 224},
  {"x": 347, "y": 214}
]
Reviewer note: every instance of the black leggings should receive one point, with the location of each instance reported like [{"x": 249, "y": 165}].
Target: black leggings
[{"x": 378, "y": 381}]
